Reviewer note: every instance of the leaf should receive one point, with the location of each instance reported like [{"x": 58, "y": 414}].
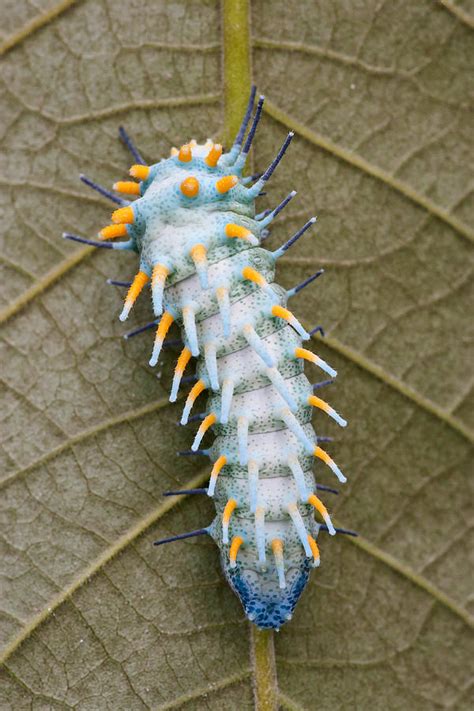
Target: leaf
[{"x": 93, "y": 616}]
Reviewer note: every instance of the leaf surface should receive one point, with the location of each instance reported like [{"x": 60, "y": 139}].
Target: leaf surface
[{"x": 94, "y": 617}]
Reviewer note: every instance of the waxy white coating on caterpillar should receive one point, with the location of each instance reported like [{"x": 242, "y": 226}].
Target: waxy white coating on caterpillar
[{"x": 195, "y": 231}]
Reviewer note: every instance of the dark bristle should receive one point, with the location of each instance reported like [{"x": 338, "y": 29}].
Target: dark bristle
[
  {"x": 125, "y": 138},
  {"x": 103, "y": 191},
  {"x": 345, "y": 531},
  {"x": 90, "y": 242},
  {"x": 269, "y": 171},
  {"x": 192, "y": 453},
  {"x": 283, "y": 204},
  {"x": 295, "y": 237},
  {"x": 304, "y": 283},
  {"x": 173, "y": 343},
  {"x": 322, "y": 384},
  {"x": 141, "y": 329},
  {"x": 253, "y": 128},
  {"x": 184, "y": 492},
  {"x": 193, "y": 418},
  {"x": 321, "y": 487},
  {"x": 182, "y": 536},
  {"x": 318, "y": 329},
  {"x": 248, "y": 113},
  {"x": 114, "y": 282}
]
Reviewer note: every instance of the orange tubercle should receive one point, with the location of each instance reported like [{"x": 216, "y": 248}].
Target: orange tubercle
[
  {"x": 305, "y": 354},
  {"x": 321, "y": 454},
  {"x": 223, "y": 185},
  {"x": 139, "y": 171},
  {"x": 314, "y": 547},
  {"x": 280, "y": 311},
  {"x": 136, "y": 287},
  {"x": 277, "y": 546},
  {"x": 185, "y": 154},
  {"x": 183, "y": 360},
  {"x": 233, "y": 230},
  {"x": 207, "y": 422},
  {"x": 160, "y": 272},
  {"x": 196, "y": 390},
  {"x": 112, "y": 231},
  {"x": 317, "y": 402},
  {"x": 213, "y": 155},
  {"x": 234, "y": 549},
  {"x": 190, "y": 187},
  {"x": 252, "y": 274},
  {"x": 127, "y": 186},
  {"x": 164, "y": 326},
  {"x": 124, "y": 215},
  {"x": 198, "y": 253},
  {"x": 318, "y": 504},
  {"x": 230, "y": 506}
]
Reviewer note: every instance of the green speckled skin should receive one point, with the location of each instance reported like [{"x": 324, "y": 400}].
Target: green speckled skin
[{"x": 166, "y": 226}]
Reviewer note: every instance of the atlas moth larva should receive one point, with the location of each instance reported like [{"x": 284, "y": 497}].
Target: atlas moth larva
[{"x": 194, "y": 227}]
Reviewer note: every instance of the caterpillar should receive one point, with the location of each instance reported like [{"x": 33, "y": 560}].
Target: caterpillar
[{"x": 194, "y": 226}]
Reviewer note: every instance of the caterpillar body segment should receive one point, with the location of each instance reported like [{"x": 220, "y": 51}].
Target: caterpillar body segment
[{"x": 201, "y": 260}]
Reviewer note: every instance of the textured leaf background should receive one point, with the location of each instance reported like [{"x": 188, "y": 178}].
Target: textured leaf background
[{"x": 92, "y": 616}]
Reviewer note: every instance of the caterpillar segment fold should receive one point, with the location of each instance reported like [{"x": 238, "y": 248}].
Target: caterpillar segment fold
[{"x": 199, "y": 242}]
